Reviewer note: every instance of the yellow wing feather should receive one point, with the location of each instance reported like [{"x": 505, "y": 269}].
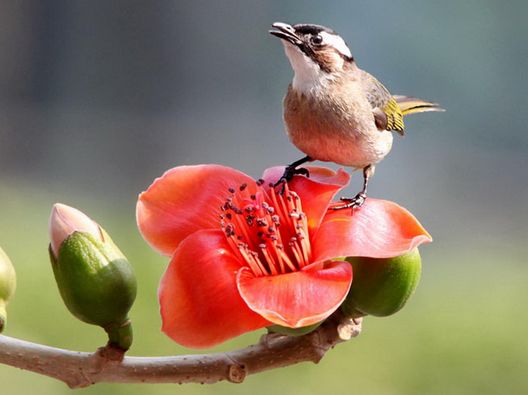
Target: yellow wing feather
[{"x": 394, "y": 116}]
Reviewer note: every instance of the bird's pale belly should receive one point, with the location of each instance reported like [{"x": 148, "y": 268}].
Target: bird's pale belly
[
  {"x": 348, "y": 145},
  {"x": 352, "y": 150},
  {"x": 330, "y": 130}
]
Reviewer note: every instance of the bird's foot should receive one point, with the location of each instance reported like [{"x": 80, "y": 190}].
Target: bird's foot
[
  {"x": 355, "y": 202},
  {"x": 288, "y": 174}
]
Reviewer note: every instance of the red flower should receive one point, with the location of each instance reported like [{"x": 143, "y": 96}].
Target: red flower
[{"x": 246, "y": 257}]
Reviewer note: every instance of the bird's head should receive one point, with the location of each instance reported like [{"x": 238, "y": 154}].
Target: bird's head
[{"x": 315, "y": 52}]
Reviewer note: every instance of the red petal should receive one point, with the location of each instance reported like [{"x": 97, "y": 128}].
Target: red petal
[
  {"x": 297, "y": 299},
  {"x": 199, "y": 299},
  {"x": 184, "y": 200},
  {"x": 379, "y": 229},
  {"x": 315, "y": 192}
]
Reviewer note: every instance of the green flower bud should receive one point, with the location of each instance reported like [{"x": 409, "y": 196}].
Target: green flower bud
[
  {"x": 7, "y": 286},
  {"x": 95, "y": 279},
  {"x": 381, "y": 287},
  {"x": 284, "y": 330}
]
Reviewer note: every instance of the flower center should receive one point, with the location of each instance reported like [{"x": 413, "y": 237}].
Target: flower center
[{"x": 267, "y": 229}]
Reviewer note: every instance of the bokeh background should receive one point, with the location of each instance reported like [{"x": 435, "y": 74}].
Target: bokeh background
[{"x": 97, "y": 98}]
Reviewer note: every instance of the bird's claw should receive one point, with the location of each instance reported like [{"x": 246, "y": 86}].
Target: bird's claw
[
  {"x": 288, "y": 174},
  {"x": 355, "y": 202}
]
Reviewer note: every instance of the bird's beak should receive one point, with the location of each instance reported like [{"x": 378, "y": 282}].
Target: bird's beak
[{"x": 286, "y": 32}]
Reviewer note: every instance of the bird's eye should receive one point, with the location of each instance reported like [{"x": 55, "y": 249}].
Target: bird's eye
[{"x": 317, "y": 39}]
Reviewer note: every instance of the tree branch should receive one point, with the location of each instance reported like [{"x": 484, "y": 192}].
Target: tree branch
[{"x": 80, "y": 369}]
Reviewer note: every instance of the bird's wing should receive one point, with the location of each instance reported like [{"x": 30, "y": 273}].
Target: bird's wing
[{"x": 387, "y": 113}]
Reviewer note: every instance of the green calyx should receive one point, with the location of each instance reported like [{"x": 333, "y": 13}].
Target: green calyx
[
  {"x": 97, "y": 284},
  {"x": 381, "y": 287},
  {"x": 284, "y": 330},
  {"x": 7, "y": 286}
]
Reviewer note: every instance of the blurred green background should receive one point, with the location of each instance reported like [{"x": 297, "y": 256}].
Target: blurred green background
[{"x": 98, "y": 98}]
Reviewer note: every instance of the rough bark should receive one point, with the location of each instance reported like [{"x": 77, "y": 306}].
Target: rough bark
[{"x": 108, "y": 365}]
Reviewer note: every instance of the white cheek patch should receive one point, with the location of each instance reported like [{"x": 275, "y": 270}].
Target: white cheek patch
[
  {"x": 307, "y": 74},
  {"x": 337, "y": 42}
]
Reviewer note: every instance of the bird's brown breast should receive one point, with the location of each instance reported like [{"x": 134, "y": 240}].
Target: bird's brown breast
[{"x": 336, "y": 128}]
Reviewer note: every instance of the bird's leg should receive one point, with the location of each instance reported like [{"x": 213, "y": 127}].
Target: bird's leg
[
  {"x": 359, "y": 199},
  {"x": 292, "y": 169}
]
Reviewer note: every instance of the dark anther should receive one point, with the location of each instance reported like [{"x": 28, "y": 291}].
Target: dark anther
[
  {"x": 260, "y": 234},
  {"x": 271, "y": 229},
  {"x": 262, "y": 222},
  {"x": 253, "y": 197},
  {"x": 275, "y": 218},
  {"x": 229, "y": 216},
  {"x": 243, "y": 186},
  {"x": 260, "y": 182},
  {"x": 229, "y": 230},
  {"x": 231, "y": 190}
]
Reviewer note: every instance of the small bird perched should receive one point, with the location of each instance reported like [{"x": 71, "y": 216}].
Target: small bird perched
[{"x": 334, "y": 111}]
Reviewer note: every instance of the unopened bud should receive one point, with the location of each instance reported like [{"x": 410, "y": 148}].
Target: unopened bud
[
  {"x": 381, "y": 287},
  {"x": 7, "y": 286},
  {"x": 95, "y": 279},
  {"x": 65, "y": 220}
]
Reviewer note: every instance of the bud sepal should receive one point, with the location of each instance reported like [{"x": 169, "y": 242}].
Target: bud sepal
[
  {"x": 284, "y": 330},
  {"x": 97, "y": 283},
  {"x": 382, "y": 287},
  {"x": 7, "y": 286}
]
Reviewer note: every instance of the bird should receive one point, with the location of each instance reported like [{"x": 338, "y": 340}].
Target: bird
[{"x": 333, "y": 110}]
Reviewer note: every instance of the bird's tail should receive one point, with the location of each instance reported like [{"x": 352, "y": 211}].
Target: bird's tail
[{"x": 412, "y": 105}]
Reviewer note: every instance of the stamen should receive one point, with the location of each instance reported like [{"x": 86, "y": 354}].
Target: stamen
[
  {"x": 243, "y": 229},
  {"x": 269, "y": 260},
  {"x": 287, "y": 260},
  {"x": 295, "y": 252},
  {"x": 276, "y": 248},
  {"x": 256, "y": 224},
  {"x": 255, "y": 266}
]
